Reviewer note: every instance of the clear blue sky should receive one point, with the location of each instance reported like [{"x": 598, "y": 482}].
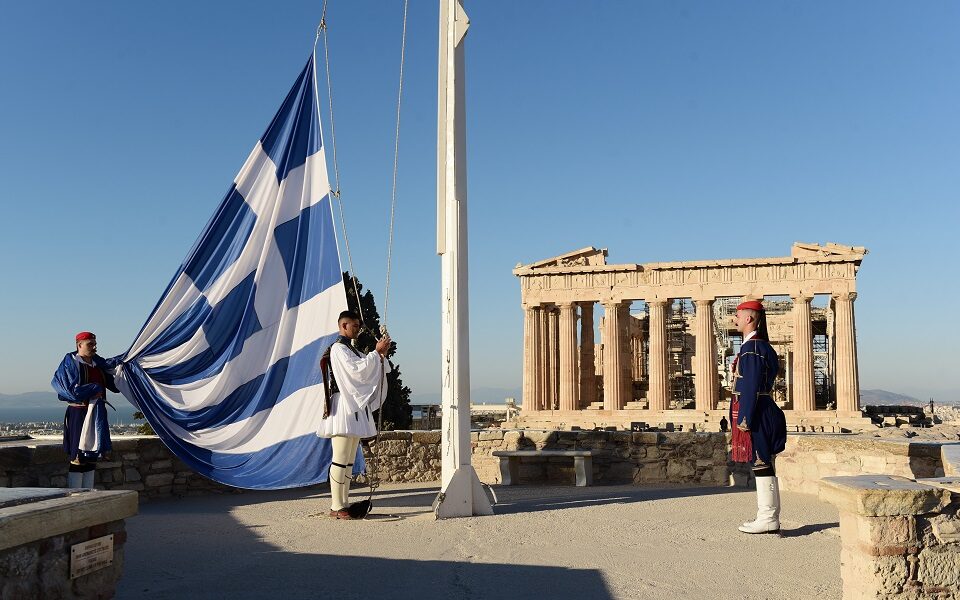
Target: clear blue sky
[{"x": 660, "y": 130}]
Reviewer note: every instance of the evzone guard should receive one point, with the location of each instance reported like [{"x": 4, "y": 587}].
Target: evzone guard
[
  {"x": 355, "y": 385},
  {"x": 81, "y": 381},
  {"x": 759, "y": 426}
]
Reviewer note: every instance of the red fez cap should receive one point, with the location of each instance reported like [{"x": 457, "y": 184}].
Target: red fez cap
[
  {"x": 750, "y": 305},
  {"x": 85, "y": 335}
]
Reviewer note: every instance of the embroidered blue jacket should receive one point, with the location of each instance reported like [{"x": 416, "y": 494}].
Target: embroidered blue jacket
[
  {"x": 70, "y": 383},
  {"x": 757, "y": 366}
]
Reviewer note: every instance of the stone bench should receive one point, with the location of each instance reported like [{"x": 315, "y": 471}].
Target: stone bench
[
  {"x": 899, "y": 537},
  {"x": 510, "y": 463}
]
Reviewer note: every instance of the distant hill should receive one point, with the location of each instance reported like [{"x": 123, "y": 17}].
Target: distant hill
[
  {"x": 45, "y": 406},
  {"x": 481, "y": 395},
  {"x": 885, "y": 398},
  {"x": 27, "y": 400}
]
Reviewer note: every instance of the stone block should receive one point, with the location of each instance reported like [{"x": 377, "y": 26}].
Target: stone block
[
  {"x": 826, "y": 457},
  {"x": 511, "y": 439},
  {"x": 620, "y": 472},
  {"x": 884, "y": 535},
  {"x": 882, "y": 495},
  {"x": 940, "y": 566},
  {"x": 651, "y": 472},
  {"x": 130, "y": 474},
  {"x": 53, "y": 583},
  {"x": 151, "y": 449},
  {"x": 681, "y": 471},
  {"x": 426, "y": 437},
  {"x": 947, "y": 531},
  {"x": 492, "y": 434},
  {"x": 23, "y": 480},
  {"x": 703, "y": 450},
  {"x": 15, "y": 459},
  {"x": 136, "y": 487},
  {"x": 161, "y": 465},
  {"x": 19, "y": 563},
  {"x": 45, "y": 454},
  {"x": 158, "y": 480},
  {"x": 125, "y": 444},
  {"x": 721, "y": 474}
]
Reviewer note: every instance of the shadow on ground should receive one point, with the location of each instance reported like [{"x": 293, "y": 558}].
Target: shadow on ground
[
  {"x": 197, "y": 548},
  {"x": 291, "y": 576},
  {"x": 520, "y": 499},
  {"x": 807, "y": 529}
]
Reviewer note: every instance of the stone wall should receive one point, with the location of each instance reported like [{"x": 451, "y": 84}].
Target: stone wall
[
  {"x": 142, "y": 464},
  {"x": 809, "y": 458},
  {"x": 640, "y": 458},
  {"x": 41, "y": 569},
  {"x": 900, "y": 538},
  {"x": 145, "y": 465},
  {"x": 39, "y": 528}
]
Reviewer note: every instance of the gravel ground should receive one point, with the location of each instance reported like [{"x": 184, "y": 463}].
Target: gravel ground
[{"x": 557, "y": 542}]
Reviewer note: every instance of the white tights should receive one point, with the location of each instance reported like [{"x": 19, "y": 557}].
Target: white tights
[{"x": 341, "y": 470}]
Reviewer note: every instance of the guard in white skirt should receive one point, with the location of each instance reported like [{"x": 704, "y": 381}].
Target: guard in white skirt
[{"x": 355, "y": 385}]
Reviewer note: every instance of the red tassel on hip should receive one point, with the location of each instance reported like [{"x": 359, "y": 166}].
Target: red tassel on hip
[{"x": 741, "y": 446}]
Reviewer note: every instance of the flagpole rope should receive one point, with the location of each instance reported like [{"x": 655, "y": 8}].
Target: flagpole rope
[
  {"x": 373, "y": 482},
  {"x": 396, "y": 160},
  {"x": 322, "y": 29}
]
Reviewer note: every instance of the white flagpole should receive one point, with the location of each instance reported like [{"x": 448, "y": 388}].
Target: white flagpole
[{"x": 461, "y": 494}]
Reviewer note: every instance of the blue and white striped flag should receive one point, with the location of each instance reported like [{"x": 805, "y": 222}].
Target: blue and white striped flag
[{"x": 226, "y": 369}]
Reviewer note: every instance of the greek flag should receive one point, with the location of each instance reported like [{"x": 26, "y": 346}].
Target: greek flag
[{"x": 226, "y": 368}]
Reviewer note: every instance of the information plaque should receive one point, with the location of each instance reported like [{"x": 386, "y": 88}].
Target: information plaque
[{"x": 92, "y": 555}]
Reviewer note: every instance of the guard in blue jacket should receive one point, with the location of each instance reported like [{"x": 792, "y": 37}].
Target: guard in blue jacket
[
  {"x": 81, "y": 381},
  {"x": 755, "y": 370}
]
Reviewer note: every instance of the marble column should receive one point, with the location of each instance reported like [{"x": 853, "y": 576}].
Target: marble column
[
  {"x": 531, "y": 358},
  {"x": 553, "y": 331},
  {"x": 613, "y": 385},
  {"x": 847, "y": 377},
  {"x": 588, "y": 370},
  {"x": 705, "y": 383},
  {"x": 569, "y": 372},
  {"x": 544, "y": 372},
  {"x": 803, "y": 392},
  {"x": 659, "y": 391}
]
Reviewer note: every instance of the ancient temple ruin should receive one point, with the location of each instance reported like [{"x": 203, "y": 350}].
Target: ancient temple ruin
[{"x": 661, "y": 351}]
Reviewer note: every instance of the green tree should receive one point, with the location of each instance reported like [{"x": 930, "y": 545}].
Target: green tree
[
  {"x": 397, "y": 413},
  {"x": 144, "y": 428}
]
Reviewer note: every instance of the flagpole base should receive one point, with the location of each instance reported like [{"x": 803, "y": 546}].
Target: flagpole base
[{"x": 463, "y": 496}]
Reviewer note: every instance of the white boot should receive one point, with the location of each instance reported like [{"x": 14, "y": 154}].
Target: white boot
[
  {"x": 74, "y": 480},
  {"x": 88, "y": 478},
  {"x": 768, "y": 507}
]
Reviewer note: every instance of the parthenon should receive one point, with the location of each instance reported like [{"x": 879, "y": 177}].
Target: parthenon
[{"x": 660, "y": 353}]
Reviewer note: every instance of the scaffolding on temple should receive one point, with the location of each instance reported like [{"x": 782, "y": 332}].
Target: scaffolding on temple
[{"x": 680, "y": 353}]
